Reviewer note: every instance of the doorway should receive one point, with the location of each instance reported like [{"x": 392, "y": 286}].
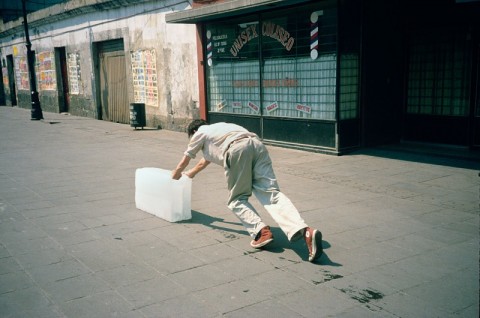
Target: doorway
[
  {"x": 112, "y": 94},
  {"x": 62, "y": 80},
  {"x": 11, "y": 81},
  {"x": 476, "y": 102},
  {"x": 2, "y": 88}
]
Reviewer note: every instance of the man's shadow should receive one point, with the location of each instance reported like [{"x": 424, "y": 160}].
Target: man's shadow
[{"x": 279, "y": 244}]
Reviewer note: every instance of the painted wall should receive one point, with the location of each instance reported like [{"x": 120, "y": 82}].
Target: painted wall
[{"x": 143, "y": 29}]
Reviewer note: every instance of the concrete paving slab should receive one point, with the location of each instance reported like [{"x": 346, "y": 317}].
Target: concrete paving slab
[{"x": 400, "y": 231}]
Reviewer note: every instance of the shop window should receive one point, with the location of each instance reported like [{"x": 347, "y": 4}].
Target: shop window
[
  {"x": 233, "y": 68},
  {"x": 280, "y": 64},
  {"x": 439, "y": 74}
]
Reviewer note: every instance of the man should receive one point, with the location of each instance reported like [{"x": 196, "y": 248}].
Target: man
[{"x": 248, "y": 168}]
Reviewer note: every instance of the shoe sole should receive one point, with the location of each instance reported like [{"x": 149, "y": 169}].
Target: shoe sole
[
  {"x": 261, "y": 244},
  {"x": 317, "y": 249}
]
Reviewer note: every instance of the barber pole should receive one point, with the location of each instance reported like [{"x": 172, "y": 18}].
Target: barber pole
[
  {"x": 209, "y": 48},
  {"x": 314, "y": 34}
]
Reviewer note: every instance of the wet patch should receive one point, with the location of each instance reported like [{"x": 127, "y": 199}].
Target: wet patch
[
  {"x": 288, "y": 260},
  {"x": 229, "y": 236},
  {"x": 327, "y": 276},
  {"x": 364, "y": 295}
]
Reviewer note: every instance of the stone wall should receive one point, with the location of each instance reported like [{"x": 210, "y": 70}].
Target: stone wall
[{"x": 141, "y": 25}]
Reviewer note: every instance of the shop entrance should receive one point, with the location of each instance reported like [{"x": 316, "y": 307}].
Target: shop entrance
[
  {"x": 476, "y": 106},
  {"x": 439, "y": 80}
]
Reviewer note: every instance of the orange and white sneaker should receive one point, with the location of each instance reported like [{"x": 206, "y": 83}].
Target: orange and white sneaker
[
  {"x": 313, "y": 238},
  {"x": 263, "y": 237}
]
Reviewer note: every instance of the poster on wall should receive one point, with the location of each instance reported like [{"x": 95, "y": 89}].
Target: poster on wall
[
  {"x": 45, "y": 68},
  {"x": 138, "y": 77},
  {"x": 5, "y": 77},
  {"x": 73, "y": 64},
  {"x": 21, "y": 73},
  {"x": 144, "y": 70}
]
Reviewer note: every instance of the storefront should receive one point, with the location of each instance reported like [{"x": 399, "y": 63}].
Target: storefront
[
  {"x": 281, "y": 73},
  {"x": 336, "y": 75}
]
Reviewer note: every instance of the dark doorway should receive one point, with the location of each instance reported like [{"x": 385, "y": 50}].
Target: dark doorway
[
  {"x": 476, "y": 102},
  {"x": 11, "y": 81},
  {"x": 2, "y": 88},
  {"x": 62, "y": 80}
]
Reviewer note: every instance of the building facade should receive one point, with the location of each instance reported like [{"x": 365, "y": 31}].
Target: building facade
[
  {"x": 335, "y": 75},
  {"x": 321, "y": 75},
  {"x": 94, "y": 58}
]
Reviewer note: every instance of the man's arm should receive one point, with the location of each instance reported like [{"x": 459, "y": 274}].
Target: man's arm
[
  {"x": 177, "y": 173},
  {"x": 202, "y": 164}
]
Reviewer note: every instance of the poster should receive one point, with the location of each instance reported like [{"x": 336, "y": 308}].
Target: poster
[
  {"x": 73, "y": 65},
  {"x": 45, "y": 68},
  {"x": 21, "y": 73},
  {"x": 5, "y": 77},
  {"x": 144, "y": 71}
]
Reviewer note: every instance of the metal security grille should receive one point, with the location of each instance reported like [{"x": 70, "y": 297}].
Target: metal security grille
[
  {"x": 113, "y": 83},
  {"x": 307, "y": 86},
  {"x": 349, "y": 83},
  {"x": 235, "y": 86},
  {"x": 438, "y": 74}
]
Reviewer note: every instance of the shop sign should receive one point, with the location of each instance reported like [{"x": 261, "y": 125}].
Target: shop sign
[
  {"x": 286, "y": 82},
  {"x": 304, "y": 109},
  {"x": 237, "y": 104},
  {"x": 270, "y": 108},
  {"x": 222, "y": 104},
  {"x": 220, "y": 43},
  {"x": 269, "y": 29},
  {"x": 253, "y": 107}
]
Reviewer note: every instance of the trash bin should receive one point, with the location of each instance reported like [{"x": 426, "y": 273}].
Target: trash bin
[{"x": 137, "y": 115}]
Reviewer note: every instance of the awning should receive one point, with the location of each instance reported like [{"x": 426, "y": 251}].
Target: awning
[{"x": 227, "y": 9}]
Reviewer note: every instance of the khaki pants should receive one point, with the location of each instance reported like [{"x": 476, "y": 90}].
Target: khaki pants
[{"x": 248, "y": 169}]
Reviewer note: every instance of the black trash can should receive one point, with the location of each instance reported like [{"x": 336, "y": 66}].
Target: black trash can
[{"x": 137, "y": 115}]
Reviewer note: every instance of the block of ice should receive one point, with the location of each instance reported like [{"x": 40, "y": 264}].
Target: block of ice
[{"x": 157, "y": 193}]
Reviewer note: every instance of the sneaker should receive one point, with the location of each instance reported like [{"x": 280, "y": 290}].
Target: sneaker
[
  {"x": 313, "y": 238},
  {"x": 263, "y": 237}
]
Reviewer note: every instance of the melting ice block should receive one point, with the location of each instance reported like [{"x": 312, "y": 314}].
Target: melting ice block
[{"x": 157, "y": 193}]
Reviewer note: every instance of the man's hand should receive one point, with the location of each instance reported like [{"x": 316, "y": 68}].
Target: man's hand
[
  {"x": 189, "y": 174},
  {"x": 177, "y": 173}
]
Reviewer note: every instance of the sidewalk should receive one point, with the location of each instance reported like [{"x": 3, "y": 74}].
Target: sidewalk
[{"x": 401, "y": 231}]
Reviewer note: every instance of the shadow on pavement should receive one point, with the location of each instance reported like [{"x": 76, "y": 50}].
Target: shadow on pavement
[
  {"x": 435, "y": 155},
  {"x": 208, "y": 220},
  {"x": 279, "y": 245}
]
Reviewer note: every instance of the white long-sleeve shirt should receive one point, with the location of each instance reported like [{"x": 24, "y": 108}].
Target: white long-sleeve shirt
[{"x": 214, "y": 140}]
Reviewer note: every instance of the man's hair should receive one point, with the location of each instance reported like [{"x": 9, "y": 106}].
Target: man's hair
[{"x": 194, "y": 125}]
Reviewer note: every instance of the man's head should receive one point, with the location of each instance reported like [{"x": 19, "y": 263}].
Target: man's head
[{"x": 194, "y": 125}]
